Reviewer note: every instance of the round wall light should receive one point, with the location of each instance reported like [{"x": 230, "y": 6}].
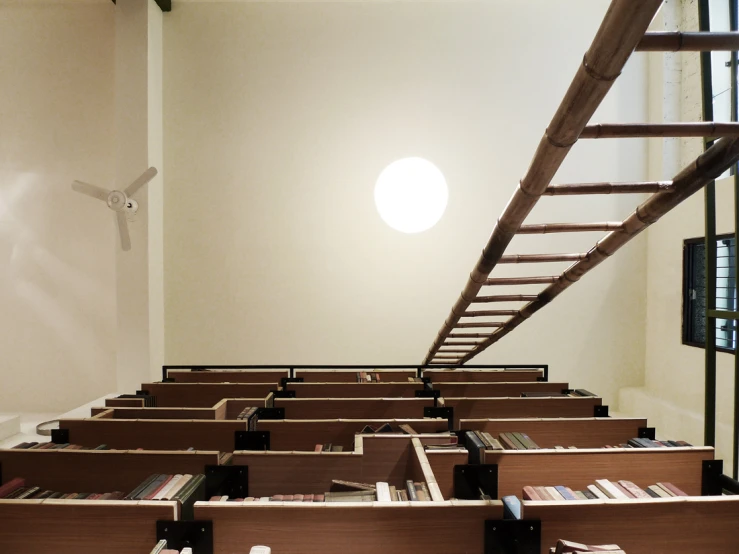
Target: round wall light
[{"x": 411, "y": 195}]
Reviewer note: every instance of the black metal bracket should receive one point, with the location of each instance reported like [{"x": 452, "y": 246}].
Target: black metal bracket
[
  {"x": 283, "y": 393},
  {"x": 512, "y": 536},
  {"x": 426, "y": 379},
  {"x": 271, "y": 413},
  {"x": 251, "y": 440},
  {"x": 440, "y": 412},
  {"x": 647, "y": 433},
  {"x": 232, "y": 481},
  {"x": 197, "y": 535},
  {"x": 285, "y": 380},
  {"x": 567, "y": 391},
  {"x": 470, "y": 480},
  {"x": 711, "y": 478},
  {"x": 600, "y": 411},
  {"x": 168, "y": 380},
  {"x": 60, "y": 436}
]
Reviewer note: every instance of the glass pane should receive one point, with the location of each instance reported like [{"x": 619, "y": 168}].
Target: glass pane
[{"x": 719, "y": 21}]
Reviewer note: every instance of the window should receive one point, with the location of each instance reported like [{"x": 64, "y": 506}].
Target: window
[{"x": 694, "y": 292}]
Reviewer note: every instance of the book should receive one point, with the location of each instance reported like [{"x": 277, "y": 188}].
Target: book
[
  {"x": 161, "y": 494},
  {"x": 410, "y": 487},
  {"x": 673, "y": 489},
  {"x": 635, "y": 491},
  {"x": 566, "y": 492},
  {"x": 595, "y": 491},
  {"x": 507, "y": 442},
  {"x": 160, "y": 483},
  {"x": 11, "y": 486},
  {"x": 554, "y": 493},
  {"x": 383, "y": 492},
  {"x": 494, "y": 443},
  {"x": 339, "y": 485},
  {"x": 476, "y": 448},
  {"x": 420, "y": 492},
  {"x": 139, "y": 489},
  {"x": 402, "y": 495},
  {"x": 609, "y": 489},
  {"x": 530, "y": 494}
]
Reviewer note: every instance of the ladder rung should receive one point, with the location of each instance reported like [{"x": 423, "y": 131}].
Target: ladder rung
[
  {"x": 489, "y": 313},
  {"x": 691, "y": 42},
  {"x": 462, "y": 343},
  {"x": 468, "y": 336},
  {"x": 522, "y": 280},
  {"x": 610, "y": 188},
  {"x": 439, "y": 357},
  {"x": 543, "y": 228},
  {"x": 646, "y": 130},
  {"x": 455, "y": 351},
  {"x": 506, "y": 298},
  {"x": 537, "y": 258},
  {"x": 479, "y": 324}
]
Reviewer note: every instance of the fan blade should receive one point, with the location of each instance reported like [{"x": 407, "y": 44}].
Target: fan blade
[
  {"x": 91, "y": 190},
  {"x": 145, "y": 177},
  {"x": 123, "y": 231}
]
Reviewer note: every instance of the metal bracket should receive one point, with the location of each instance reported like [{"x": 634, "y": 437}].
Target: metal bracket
[
  {"x": 426, "y": 379},
  {"x": 711, "y": 478},
  {"x": 271, "y": 413},
  {"x": 440, "y": 412},
  {"x": 285, "y": 380},
  {"x": 470, "y": 480},
  {"x": 197, "y": 535},
  {"x": 600, "y": 411},
  {"x": 251, "y": 440},
  {"x": 512, "y": 536},
  {"x": 168, "y": 380},
  {"x": 567, "y": 391},
  {"x": 283, "y": 393},
  {"x": 60, "y": 436},
  {"x": 647, "y": 433},
  {"x": 227, "y": 480}
]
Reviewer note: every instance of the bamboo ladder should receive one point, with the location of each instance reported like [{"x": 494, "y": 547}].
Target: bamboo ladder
[{"x": 622, "y": 31}]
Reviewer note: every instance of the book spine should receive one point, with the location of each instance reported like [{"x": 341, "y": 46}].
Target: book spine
[{"x": 411, "y": 490}]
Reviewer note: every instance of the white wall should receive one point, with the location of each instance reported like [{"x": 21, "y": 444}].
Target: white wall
[
  {"x": 280, "y": 116},
  {"x": 57, "y": 267},
  {"x": 673, "y": 393}
]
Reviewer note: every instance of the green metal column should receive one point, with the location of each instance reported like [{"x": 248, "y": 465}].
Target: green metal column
[{"x": 709, "y": 431}]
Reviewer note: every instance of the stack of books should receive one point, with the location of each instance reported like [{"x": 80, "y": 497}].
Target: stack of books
[
  {"x": 349, "y": 491},
  {"x": 367, "y": 377},
  {"x": 162, "y": 486},
  {"x": 603, "y": 489},
  {"x": 328, "y": 447},
  {"x": 564, "y": 547},
  {"x": 55, "y": 446},
  {"x": 250, "y": 415},
  {"x": 16, "y": 489}
]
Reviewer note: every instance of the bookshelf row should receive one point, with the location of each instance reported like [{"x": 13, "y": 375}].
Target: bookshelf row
[{"x": 261, "y": 474}]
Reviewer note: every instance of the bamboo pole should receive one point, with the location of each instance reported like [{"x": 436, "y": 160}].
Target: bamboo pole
[
  {"x": 454, "y": 351},
  {"x": 609, "y": 188},
  {"x": 709, "y": 129},
  {"x": 540, "y": 258},
  {"x": 707, "y": 167},
  {"x": 521, "y": 280},
  {"x": 468, "y": 336},
  {"x": 464, "y": 343},
  {"x": 543, "y": 228},
  {"x": 506, "y": 298},
  {"x": 688, "y": 42},
  {"x": 622, "y": 28},
  {"x": 482, "y": 324},
  {"x": 490, "y": 313}
]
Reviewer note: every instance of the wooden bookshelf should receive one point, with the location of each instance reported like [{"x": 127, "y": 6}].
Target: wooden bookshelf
[
  {"x": 227, "y": 376},
  {"x": 355, "y": 390},
  {"x": 475, "y": 408},
  {"x": 680, "y": 525},
  {"x": 159, "y": 434},
  {"x": 588, "y": 432},
  {"x": 81, "y": 526},
  {"x": 98, "y": 470},
  {"x": 305, "y": 434},
  {"x": 203, "y": 395},
  {"x": 350, "y": 375},
  {"x": 361, "y": 528},
  {"x": 579, "y": 468},
  {"x": 482, "y": 375},
  {"x": 494, "y": 389},
  {"x": 353, "y": 408}
]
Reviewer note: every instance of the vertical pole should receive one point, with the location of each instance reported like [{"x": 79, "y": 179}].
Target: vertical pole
[
  {"x": 734, "y": 22},
  {"x": 709, "y": 430}
]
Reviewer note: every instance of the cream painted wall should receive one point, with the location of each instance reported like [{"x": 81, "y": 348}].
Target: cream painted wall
[
  {"x": 673, "y": 393},
  {"x": 57, "y": 257},
  {"x": 280, "y": 116}
]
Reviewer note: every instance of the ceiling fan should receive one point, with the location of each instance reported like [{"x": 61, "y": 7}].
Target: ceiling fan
[{"x": 119, "y": 201}]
